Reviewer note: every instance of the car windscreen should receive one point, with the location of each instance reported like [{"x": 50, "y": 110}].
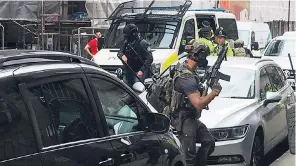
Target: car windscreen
[
  {"x": 230, "y": 27},
  {"x": 281, "y": 48},
  {"x": 158, "y": 34},
  {"x": 244, "y": 35},
  {"x": 241, "y": 84}
]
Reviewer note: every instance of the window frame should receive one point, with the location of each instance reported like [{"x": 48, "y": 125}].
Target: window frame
[
  {"x": 123, "y": 87},
  {"x": 18, "y": 91},
  {"x": 25, "y": 92},
  {"x": 259, "y": 75},
  {"x": 269, "y": 76}
]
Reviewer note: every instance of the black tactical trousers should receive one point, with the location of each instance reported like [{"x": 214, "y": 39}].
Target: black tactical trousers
[
  {"x": 194, "y": 131},
  {"x": 130, "y": 78}
]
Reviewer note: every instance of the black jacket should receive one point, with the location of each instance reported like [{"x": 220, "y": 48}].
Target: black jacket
[{"x": 135, "y": 51}]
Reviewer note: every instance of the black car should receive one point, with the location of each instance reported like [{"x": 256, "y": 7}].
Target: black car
[{"x": 57, "y": 109}]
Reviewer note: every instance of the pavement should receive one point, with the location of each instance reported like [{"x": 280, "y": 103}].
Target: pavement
[{"x": 287, "y": 159}]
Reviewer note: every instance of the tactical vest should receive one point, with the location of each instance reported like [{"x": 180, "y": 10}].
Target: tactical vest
[
  {"x": 240, "y": 52},
  {"x": 179, "y": 101},
  {"x": 132, "y": 52}
]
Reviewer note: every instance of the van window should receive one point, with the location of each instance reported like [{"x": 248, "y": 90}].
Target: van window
[
  {"x": 189, "y": 31},
  {"x": 158, "y": 34},
  {"x": 229, "y": 26}
]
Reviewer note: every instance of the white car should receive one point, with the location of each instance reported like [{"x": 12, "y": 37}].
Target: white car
[
  {"x": 247, "y": 120},
  {"x": 278, "y": 50}
]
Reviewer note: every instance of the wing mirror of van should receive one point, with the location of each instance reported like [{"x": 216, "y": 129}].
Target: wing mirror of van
[
  {"x": 158, "y": 123},
  {"x": 255, "y": 46},
  {"x": 272, "y": 97}
]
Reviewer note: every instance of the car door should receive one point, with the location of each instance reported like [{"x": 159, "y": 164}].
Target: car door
[
  {"x": 278, "y": 79},
  {"x": 67, "y": 127},
  {"x": 270, "y": 111},
  {"x": 17, "y": 142},
  {"x": 125, "y": 120}
]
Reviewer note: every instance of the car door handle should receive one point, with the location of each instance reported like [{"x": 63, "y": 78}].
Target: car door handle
[
  {"x": 109, "y": 161},
  {"x": 125, "y": 157}
]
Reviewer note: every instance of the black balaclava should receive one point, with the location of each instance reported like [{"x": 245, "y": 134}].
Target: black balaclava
[{"x": 130, "y": 32}]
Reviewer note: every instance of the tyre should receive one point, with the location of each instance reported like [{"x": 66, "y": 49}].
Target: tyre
[
  {"x": 291, "y": 129},
  {"x": 257, "y": 154}
]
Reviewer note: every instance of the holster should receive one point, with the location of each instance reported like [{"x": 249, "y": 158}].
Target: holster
[{"x": 177, "y": 121}]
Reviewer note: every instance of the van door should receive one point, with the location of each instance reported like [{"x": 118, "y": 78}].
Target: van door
[{"x": 188, "y": 33}]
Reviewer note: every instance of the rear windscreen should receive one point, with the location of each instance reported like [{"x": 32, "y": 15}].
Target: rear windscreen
[{"x": 229, "y": 25}]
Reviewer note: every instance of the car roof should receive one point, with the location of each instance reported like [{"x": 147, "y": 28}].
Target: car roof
[
  {"x": 241, "y": 62},
  {"x": 42, "y": 59},
  {"x": 286, "y": 37}
]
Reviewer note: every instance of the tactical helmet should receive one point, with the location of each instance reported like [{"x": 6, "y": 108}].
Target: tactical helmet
[
  {"x": 205, "y": 32},
  {"x": 220, "y": 32},
  {"x": 205, "y": 23},
  {"x": 238, "y": 43},
  {"x": 199, "y": 52},
  {"x": 130, "y": 31}
]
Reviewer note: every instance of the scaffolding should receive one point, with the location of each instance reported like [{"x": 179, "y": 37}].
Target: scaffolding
[{"x": 81, "y": 36}]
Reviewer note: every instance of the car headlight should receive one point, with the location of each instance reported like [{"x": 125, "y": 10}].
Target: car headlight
[
  {"x": 231, "y": 133},
  {"x": 155, "y": 67}
]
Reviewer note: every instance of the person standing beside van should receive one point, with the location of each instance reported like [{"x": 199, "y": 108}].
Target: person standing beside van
[
  {"x": 220, "y": 39},
  {"x": 92, "y": 47},
  {"x": 206, "y": 24},
  {"x": 205, "y": 38}
]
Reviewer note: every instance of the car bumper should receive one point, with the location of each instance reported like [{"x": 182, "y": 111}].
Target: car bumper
[{"x": 232, "y": 153}]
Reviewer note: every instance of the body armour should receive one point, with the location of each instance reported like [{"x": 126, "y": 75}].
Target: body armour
[
  {"x": 240, "y": 52},
  {"x": 179, "y": 99},
  {"x": 131, "y": 50}
]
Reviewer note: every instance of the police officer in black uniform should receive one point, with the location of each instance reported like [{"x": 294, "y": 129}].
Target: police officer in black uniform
[
  {"x": 135, "y": 52},
  {"x": 192, "y": 129}
]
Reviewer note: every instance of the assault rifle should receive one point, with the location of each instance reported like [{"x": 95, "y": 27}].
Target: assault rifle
[{"x": 212, "y": 75}]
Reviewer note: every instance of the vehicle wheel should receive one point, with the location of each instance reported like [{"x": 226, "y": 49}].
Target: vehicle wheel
[
  {"x": 291, "y": 129},
  {"x": 257, "y": 154}
]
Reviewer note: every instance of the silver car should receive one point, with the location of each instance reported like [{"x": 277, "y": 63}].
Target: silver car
[{"x": 248, "y": 118}]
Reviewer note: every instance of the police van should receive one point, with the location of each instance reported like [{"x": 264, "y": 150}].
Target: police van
[{"x": 167, "y": 29}]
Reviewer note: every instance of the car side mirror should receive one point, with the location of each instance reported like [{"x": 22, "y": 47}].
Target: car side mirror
[
  {"x": 158, "y": 123},
  {"x": 139, "y": 87},
  {"x": 255, "y": 46},
  {"x": 272, "y": 97}
]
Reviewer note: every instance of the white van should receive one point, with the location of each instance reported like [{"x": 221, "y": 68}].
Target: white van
[
  {"x": 290, "y": 33},
  {"x": 255, "y": 35},
  {"x": 166, "y": 28}
]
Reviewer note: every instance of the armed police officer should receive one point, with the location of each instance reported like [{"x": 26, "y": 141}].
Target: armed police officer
[
  {"x": 136, "y": 53},
  {"x": 188, "y": 88},
  {"x": 221, "y": 43}
]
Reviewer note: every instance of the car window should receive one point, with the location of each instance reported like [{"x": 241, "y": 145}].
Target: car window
[
  {"x": 274, "y": 77},
  {"x": 282, "y": 75},
  {"x": 16, "y": 134},
  {"x": 63, "y": 112},
  {"x": 265, "y": 85},
  {"x": 122, "y": 111}
]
